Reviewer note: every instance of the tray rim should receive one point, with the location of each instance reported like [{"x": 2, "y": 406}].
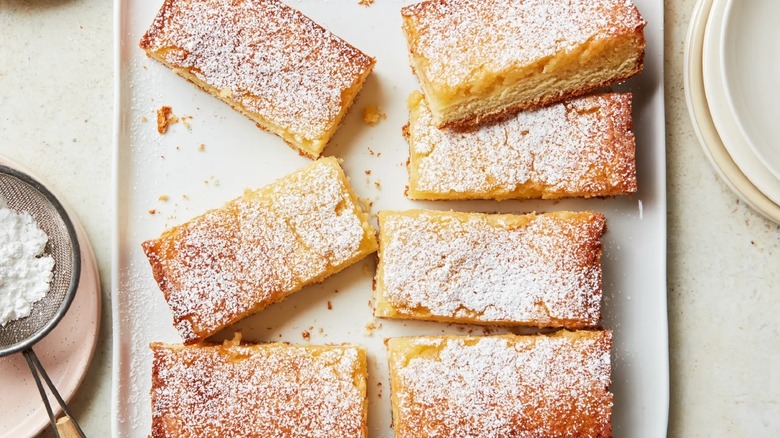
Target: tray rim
[{"x": 661, "y": 174}]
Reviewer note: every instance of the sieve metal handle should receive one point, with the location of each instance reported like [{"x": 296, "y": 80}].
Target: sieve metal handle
[{"x": 70, "y": 427}]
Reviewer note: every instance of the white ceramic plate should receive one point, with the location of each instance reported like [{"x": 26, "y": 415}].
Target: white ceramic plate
[
  {"x": 65, "y": 352},
  {"x": 237, "y": 155},
  {"x": 722, "y": 110},
  {"x": 750, "y": 43},
  {"x": 703, "y": 125}
]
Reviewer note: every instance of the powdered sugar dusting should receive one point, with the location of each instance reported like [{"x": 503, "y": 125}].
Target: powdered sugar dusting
[
  {"x": 268, "y": 57},
  {"x": 584, "y": 147},
  {"x": 266, "y": 390},
  {"x": 542, "y": 270},
  {"x": 527, "y": 386},
  {"x": 25, "y": 268},
  {"x": 258, "y": 249},
  {"x": 460, "y": 39}
]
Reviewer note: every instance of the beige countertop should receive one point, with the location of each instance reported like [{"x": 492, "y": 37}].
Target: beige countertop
[{"x": 56, "y": 95}]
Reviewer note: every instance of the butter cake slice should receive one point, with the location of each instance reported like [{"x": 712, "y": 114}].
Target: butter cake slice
[
  {"x": 541, "y": 270},
  {"x": 581, "y": 148},
  {"x": 271, "y": 390},
  {"x": 266, "y": 60},
  {"x": 502, "y": 386},
  {"x": 480, "y": 60},
  {"x": 237, "y": 260}
]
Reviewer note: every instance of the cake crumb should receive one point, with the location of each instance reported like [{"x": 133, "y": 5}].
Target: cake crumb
[
  {"x": 365, "y": 2},
  {"x": 235, "y": 341},
  {"x": 152, "y": 211},
  {"x": 202, "y": 147},
  {"x": 372, "y": 115},
  {"x": 305, "y": 335},
  {"x": 368, "y": 172},
  {"x": 185, "y": 120},
  {"x": 144, "y": 119},
  {"x": 377, "y": 185},
  {"x": 330, "y": 306},
  {"x": 212, "y": 181},
  {"x": 165, "y": 118},
  {"x": 163, "y": 198},
  {"x": 371, "y": 152},
  {"x": 365, "y": 204},
  {"x": 371, "y": 327}
]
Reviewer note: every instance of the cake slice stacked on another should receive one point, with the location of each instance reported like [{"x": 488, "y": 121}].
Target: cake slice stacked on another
[{"x": 481, "y": 60}]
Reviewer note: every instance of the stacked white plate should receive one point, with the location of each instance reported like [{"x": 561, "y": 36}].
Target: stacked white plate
[{"x": 732, "y": 64}]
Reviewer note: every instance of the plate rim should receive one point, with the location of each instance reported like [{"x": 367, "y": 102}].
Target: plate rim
[
  {"x": 722, "y": 114},
  {"x": 90, "y": 268},
  {"x": 662, "y": 402},
  {"x": 729, "y": 81},
  {"x": 703, "y": 125}
]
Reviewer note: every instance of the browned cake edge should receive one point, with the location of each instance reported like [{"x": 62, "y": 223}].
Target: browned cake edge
[{"x": 470, "y": 124}]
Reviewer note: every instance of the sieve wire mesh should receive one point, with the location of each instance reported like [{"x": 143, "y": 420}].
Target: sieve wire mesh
[{"x": 25, "y": 194}]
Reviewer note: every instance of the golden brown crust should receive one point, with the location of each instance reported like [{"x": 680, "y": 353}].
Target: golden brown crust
[
  {"x": 258, "y": 390},
  {"x": 473, "y": 123},
  {"x": 541, "y": 270},
  {"x": 538, "y": 386},
  {"x": 256, "y": 250},
  {"x": 267, "y": 73}
]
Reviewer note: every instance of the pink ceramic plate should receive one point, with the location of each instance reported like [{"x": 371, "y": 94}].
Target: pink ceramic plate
[{"x": 65, "y": 353}]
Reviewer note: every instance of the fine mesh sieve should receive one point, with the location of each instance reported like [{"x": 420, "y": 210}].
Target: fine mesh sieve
[{"x": 23, "y": 193}]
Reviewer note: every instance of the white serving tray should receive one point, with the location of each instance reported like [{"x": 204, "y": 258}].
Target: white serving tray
[{"x": 238, "y": 155}]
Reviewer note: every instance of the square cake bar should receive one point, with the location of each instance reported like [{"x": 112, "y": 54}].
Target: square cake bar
[
  {"x": 482, "y": 60},
  {"x": 266, "y": 390},
  {"x": 541, "y": 270},
  {"x": 502, "y": 386},
  {"x": 580, "y": 148},
  {"x": 265, "y": 59},
  {"x": 259, "y": 248}
]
